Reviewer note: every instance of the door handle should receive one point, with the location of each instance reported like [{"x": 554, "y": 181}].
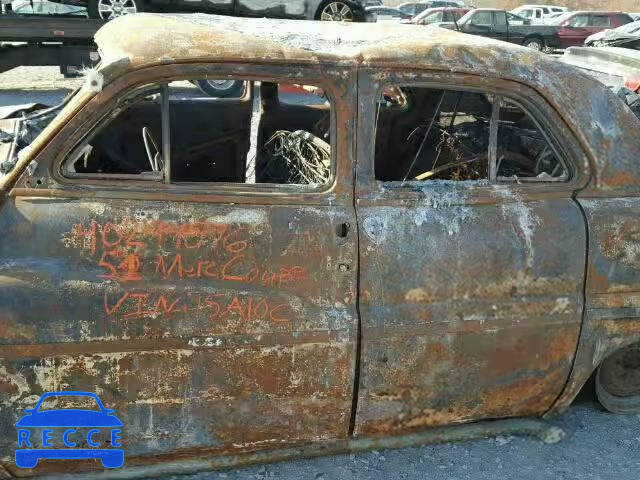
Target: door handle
[{"x": 342, "y": 230}]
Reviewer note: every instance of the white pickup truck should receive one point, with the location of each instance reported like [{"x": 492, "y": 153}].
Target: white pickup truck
[{"x": 538, "y": 14}]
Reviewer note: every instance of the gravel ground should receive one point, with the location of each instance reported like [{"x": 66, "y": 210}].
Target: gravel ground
[
  {"x": 599, "y": 445},
  {"x": 35, "y": 84}
]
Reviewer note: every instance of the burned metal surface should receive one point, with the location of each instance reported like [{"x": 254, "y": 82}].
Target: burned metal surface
[
  {"x": 612, "y": 310},
  {"x": 225, "y": 322},
  {"x": 467, "y": 312},
  {"x": 203, "y": 38},
  {"x": 177, "y": 314},
  {"x": 223, "y": 325}
]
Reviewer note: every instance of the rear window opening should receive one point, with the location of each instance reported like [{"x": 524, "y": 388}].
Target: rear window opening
[
  {"x": 269, "y": 133},
  {"x": 437, "y": 134}
]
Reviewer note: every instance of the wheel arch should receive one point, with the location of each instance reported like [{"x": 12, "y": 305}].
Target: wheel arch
[
  {"x": 536, "y": 36},
  {"x": 599, "y": 340},
  {"x": 358, "y": 9}
]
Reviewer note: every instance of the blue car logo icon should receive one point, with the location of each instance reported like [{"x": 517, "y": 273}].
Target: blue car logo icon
[{"x": 43, "y": 433}]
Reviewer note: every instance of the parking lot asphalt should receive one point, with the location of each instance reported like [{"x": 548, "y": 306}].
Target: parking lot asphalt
[{"x": 599, "y": 445}]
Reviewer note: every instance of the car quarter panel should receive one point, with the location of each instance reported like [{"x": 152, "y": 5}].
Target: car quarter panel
[
  {"x": 612, "y": 311},
  {"x": 217, "y": 322},
  {"x": 611, "y": 205}
]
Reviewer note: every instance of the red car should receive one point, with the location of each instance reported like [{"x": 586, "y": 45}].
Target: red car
[
  {"x": 439, "y": 15},
  {"x": 575, "y": 27}
]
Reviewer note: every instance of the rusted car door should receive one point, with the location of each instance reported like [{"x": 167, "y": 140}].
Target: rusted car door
[
  {"x": 470, "y": 293},
  {"x": 206, "y": 319}
]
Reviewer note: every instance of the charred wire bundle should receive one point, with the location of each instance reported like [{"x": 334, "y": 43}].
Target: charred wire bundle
[{"x": 298, "y": 158}]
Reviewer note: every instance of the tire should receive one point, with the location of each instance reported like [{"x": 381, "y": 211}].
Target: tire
[
  {"x": 100, "y": 8},
  {"x": 69, "y": 72},
  {"x": 618, "y": 381},
  {"x": 221, "y": 88},
  {"x": 535, "y": 43},
  {"x": 340, "y": 11}
]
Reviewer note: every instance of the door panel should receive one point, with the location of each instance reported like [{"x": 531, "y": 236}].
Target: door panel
[
  {"x": 500, "y": 29},
  {"x": 203, "y": 325},
  {"x": 468, "y": 311},
  {"x": 471, "y": 293}
]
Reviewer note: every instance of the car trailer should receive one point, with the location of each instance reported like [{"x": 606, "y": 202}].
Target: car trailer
[
  {"x": 39, "y": 40},
  {"x": 67, "y": 41}
]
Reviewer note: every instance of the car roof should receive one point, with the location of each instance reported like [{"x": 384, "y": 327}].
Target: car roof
[
  {"x": 448, "y": 9},
  {"x": 597, "y": 12},
  {"x": 539, "y": 5},
  {"x": 133, "y": 42}
]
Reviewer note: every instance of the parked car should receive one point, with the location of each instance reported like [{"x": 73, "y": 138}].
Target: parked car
[
  {"x": 517, "y": 19},
  {"x": 537, "y": 14},
  {"x": 575, "y": 27},
  {"x": 436, "y": 16},
  {"x": 627, "y": 36},
  {"x": 385, "y": 14},
  {"x": 635, "y": 16},
  {"x": 506, "y": 26},
  {"x": 414, "y": 8},
  {"x": 613, "y": 66},
  {"x": 617, "y": 68},
  {"x": 549, "y": 18},
  {"x": 328, "y": 10},
  {"x": 252, "y": 279}
]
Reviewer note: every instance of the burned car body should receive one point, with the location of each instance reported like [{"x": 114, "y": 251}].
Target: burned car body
[
  {"x": 448, "y": 235},
  {"x": 627, "y": 36}
]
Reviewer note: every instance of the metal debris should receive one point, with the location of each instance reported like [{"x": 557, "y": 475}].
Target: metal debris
[{"x": 303, "y": 157}]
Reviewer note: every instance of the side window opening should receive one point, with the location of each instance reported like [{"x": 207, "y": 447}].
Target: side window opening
[
  {"x": 436, "y": 134},
  {"x": 272, "y": 134},
  {"x": 523, "y": 152},
  {"x": 117, "y": 146},
  {"x": 482, "y": 18},
  {"x": 600, "y": 21},
  {"x": 579, "y": 21}
]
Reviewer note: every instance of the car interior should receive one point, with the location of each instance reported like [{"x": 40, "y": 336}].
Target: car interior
[
  {"x": 425, "y": 133},
  {"x": 211, "y": 139},
  {"x": 270, "y": 136}
]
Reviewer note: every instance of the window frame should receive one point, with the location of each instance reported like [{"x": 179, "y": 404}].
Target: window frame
[
  {"x": 441, "y": 19},
  {"x": 490, "y": 24},
  {"x": 103, "y": 122},
  {"x": 165, "y": 186},
  {"x": 527, "y": 106},
  {"x": 577, "y": 16},
  {"x": 594, "y": 16},
  {"x": 498, "y": 17}
]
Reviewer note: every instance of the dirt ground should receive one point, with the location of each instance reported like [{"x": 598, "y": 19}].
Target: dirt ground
[{"x": 599, "y": 445}]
